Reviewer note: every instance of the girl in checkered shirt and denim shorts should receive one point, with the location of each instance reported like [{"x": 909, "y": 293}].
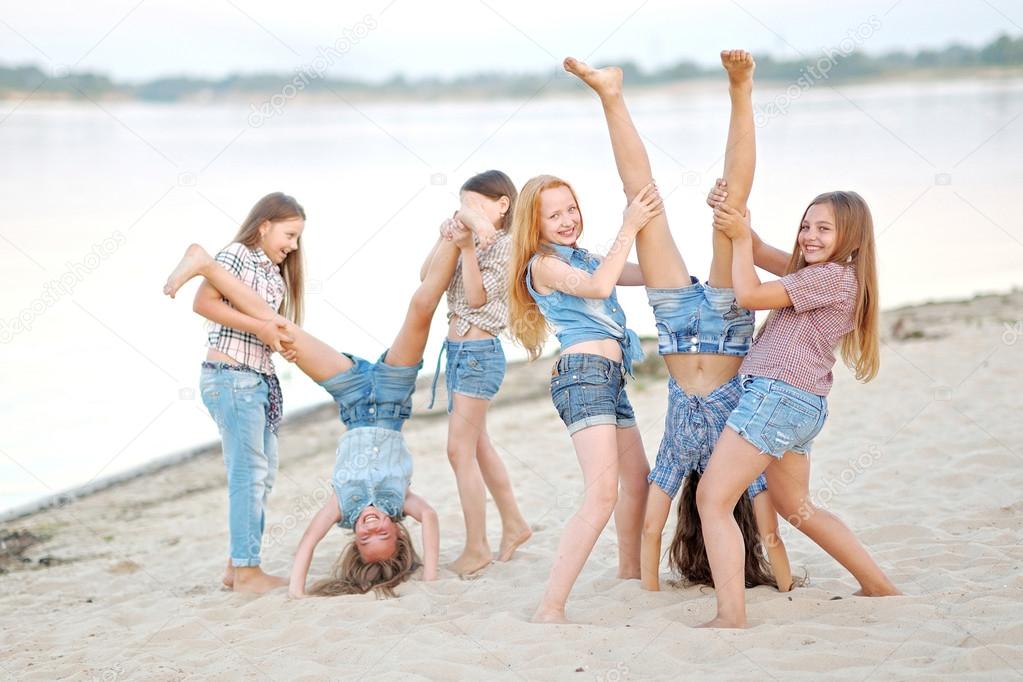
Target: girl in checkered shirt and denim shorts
[
  {"x": 477, "y": 315},
  {"x": 827, "y": 298},
  {"x": 703, "y": 335},
  {"x": 238, "y": 382}
]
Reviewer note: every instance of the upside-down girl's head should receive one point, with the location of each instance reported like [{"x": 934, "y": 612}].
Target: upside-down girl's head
[
  {"x": 275, "y": 225},
  {"x": 380, "y": 558},
  {"x": 547, "y": 212},
  {"x": 495, "y": 192},
  {"x": 837, "y": 227}
]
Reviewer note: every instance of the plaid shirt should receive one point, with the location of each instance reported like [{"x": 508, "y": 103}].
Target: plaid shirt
[
  {"x": 256, "y": 270},
  {"x": 797, "y": 343},
  {"x": 492, "y": 316}
]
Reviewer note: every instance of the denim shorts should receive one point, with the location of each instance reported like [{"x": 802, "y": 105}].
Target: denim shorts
[
  {"x": 700, "y": 319},
  {"x": 374, "y": 393},
  {"x": 588, "y": 390},
  {"x": 475, "y": 368},
  {"x": 777, "y": 417},
  {"x": 691, "y": 430}
]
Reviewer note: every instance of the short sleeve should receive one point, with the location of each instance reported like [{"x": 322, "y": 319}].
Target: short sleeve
[
  {"x": 817, "y": 286},
  {"x": 233, "y": 257}
]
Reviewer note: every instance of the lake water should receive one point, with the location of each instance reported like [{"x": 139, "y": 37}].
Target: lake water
[{"x": 100, "y": 370}]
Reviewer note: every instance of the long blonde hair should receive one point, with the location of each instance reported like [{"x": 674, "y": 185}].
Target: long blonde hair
[
  {"x": 351, "y": 574},
  {"x": 277, "y": 207},
  {"x": 854, "y": 244},
  {"x": 526, "y": 323}
]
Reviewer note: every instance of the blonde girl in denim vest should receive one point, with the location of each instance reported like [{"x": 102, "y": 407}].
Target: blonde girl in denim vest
[
  {"x": 825, "y": 300},
  {"x": 555, "y": 282},
  {"x": 238, "y": 382},
  {"x": 477, "y": 315},
  {"x": 372, "y": 472},
  {"x": 702, "y": 335}
]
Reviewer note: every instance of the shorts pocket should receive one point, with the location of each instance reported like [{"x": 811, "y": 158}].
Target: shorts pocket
[{"x": 791, "y": 423}]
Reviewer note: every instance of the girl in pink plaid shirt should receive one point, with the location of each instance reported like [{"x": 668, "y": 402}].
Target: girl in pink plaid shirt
[{"x": 826, "y": 298}]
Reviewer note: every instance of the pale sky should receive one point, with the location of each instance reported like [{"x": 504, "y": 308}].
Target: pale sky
[{"x": 133, "y": 40}]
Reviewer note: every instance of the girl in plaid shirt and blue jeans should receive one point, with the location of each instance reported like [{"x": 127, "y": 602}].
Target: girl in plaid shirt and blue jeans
[{"x": 239, "y": 384}]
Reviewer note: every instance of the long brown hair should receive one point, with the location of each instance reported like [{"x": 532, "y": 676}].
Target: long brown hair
[
  {"x": 494, "y": 184},
  {"x": 687, "y": 555},
  {"x": 277, "y": 207},
  {"x": 353, "y": 575},
  {"x": 854, "y": 244},
  {"x": 525, "y": 321}
]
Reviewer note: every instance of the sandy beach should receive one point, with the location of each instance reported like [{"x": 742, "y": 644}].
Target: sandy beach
[{"x": 925, "y": 464}]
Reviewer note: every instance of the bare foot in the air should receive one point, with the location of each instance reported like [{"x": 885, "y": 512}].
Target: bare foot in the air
[
  {"x": 607, "y": 82},
  {"x": 471, "y": 562},
  {"x": 512, "y": 539},
  {"x": 191, "y": 264},
  {"x": 740, "y": 65}
]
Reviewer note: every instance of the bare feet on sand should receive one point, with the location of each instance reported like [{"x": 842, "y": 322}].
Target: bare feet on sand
[
  {"x": 740, "y": 65},
  {"x": 191, "y": 264},
  {"x": 252, "y": 579},
  {"x": 228, "y": 577},
  {"x": 549, "y": 616},
  {"x": 471, "y": 562},
  {"x": 724, "y": 623},
  {"x": 607, "y": 82},
  {"x": 512, "y": 539}
]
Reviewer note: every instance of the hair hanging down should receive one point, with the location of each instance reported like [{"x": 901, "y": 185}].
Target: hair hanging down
[
  {"x": 277, "y": 207},
  {"x": 526, "y": 323},
  {"x": 687, "y": 555},
  {"x": 494, "y": 184},
  {"x": 854, "y": 243},
  {"x": 352, "y": 575}
]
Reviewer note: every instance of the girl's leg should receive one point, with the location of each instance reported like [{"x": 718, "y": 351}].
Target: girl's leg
[
  {"x": 596, "y": 448},
  {"x": 514, "y": 528},
  {"x": 734, "y": 464},
  {"x": 740, "y": 156},
  {"x": 633, "y": 469},
  {"x": 788, "y": 484},
  {"x": 407, "y": 348},
  {"x": 767, "y": 528},
  {"x": 659, "y": 257},
  {"x": 465, "y": 425}
]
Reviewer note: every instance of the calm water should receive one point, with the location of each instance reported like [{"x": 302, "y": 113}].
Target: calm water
[{"x": 99, "y": 205}]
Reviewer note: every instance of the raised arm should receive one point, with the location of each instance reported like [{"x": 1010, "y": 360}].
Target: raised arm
[
  {"x": 767, "y": 257},
  {"x": 552, "y": 273},
  {"x": 750, "y": 292},
  {"x": 329, "y": 515},
  {"x": 658, "y": 506},
  {"x": 421, "y": 511}
]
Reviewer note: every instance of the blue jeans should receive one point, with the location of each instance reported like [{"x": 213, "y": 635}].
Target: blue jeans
[
  {"x": 700, "y": 319},
  {"x": 237, "y": 401},
  {"x": 777, "y": 417},
  {"x": 589, "y": 390},
  {"x": 373, "y": 393},
  {"x": 475, "y": 368}
]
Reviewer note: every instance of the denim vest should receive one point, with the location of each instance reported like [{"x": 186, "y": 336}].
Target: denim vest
[
  {"x": 373, "y": 467},
  {"x": 577, "y": 319}
]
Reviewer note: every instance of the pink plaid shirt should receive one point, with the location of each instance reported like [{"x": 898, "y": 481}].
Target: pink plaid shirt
[
  {"x": 257, "y": 271},
  {"x": 797, "y": 344}
]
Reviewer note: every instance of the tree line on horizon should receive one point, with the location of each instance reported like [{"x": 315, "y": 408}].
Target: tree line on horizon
[{"x": 1003, "y": 51}]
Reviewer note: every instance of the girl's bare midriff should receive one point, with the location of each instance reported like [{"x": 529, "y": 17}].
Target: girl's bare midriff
[
  {"x": 214, "y": 355},
  {"x": 608, "y": 348},
  {"x": 474, "y": 333},
  {"x": 701, "y": 373}
]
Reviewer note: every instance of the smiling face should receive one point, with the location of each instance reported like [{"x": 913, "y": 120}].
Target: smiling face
[
  {"x": 560, "y": 219},
  {"x": 375, "y": 535},
  {"x": 278, "y": 239},
  {"x": 817, "y": 236}
]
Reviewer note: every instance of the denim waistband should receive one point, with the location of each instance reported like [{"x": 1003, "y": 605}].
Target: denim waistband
[
  {"x": 584, "y": 361},
  {"x": 274, "y": 398},
  {"x": 471, "y": 345}
]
